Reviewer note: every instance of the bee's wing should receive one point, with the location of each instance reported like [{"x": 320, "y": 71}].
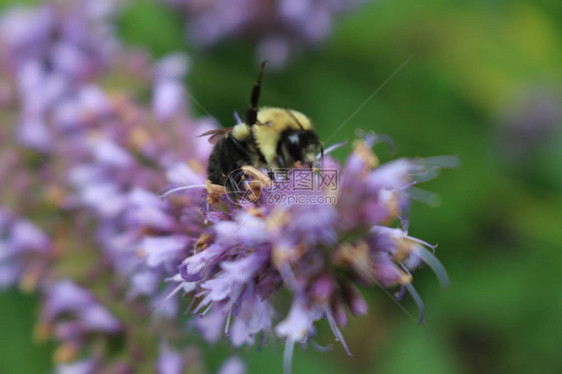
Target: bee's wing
[{"x": 215, "y": 135}]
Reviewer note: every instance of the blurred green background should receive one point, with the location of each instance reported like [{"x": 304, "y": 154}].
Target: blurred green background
[{"x": 473, "y": 66}]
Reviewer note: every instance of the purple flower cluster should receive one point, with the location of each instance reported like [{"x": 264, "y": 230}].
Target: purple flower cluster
[
  {"x": 321, "y": 253},
  {"x": 89, "y": 162},
  {"x": 24, "y": 251},
  {"x": 85, "y": 164},
  {"x": 280, "y": 27},
  {"x": 73, "y": 316},
  {"x": 54, "y": 51}
]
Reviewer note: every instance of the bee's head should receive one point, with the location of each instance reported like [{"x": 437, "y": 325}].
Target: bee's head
[
  {"x": 286, "y": 138},
  {"x": 297, "y": 146}
]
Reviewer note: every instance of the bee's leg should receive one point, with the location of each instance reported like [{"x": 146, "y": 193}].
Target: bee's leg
[{"x": 252, "y": 112}]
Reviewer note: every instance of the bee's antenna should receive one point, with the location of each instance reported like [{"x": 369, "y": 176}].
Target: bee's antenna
[{"x": 252, "y": 112}]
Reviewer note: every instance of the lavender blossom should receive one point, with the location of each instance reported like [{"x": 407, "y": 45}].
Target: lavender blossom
[
  {"x": 24, "y": 251},
  {"x": 233, "y": 366},
  {"x": 78, "y": 367},
  {"x": 101, "y": 159},
  {"x": 280, "y": 27},
  {"x": 109, "y": 158},
  {"x": 320, "y": 248},
  {"x": 73, "y": 316},
  {"x": 52, "y": 50},
  {"x": 170, "y": 361}
]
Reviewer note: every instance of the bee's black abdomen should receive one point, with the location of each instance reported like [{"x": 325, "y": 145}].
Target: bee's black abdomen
[{"x": 228, "y": 155}]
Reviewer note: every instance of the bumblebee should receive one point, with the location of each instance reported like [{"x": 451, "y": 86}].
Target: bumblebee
[{"x": 268, "y": 138}]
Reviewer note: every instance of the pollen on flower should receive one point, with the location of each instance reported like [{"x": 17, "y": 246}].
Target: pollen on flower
[
  {"x": 256, "y": 211},
  {"x": 65, "y": 352},
  {"x": 405, "y": 278},
  {"x": 283, "y": 254},
  {"x": 54, "y": 194},
  {"x": 391, "y": 200},
  {"x": 257, "y": 174},
  {"x": 203, "y": 242},
  {"x": 278, "y": 218},
  {"x": 30, "y": 278},
  {"x": 214, "y": 192},
  {"x": 140, "y": 138},
  {"x": 355, "y": 255},
  {"x": 365, "y": 153}
]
